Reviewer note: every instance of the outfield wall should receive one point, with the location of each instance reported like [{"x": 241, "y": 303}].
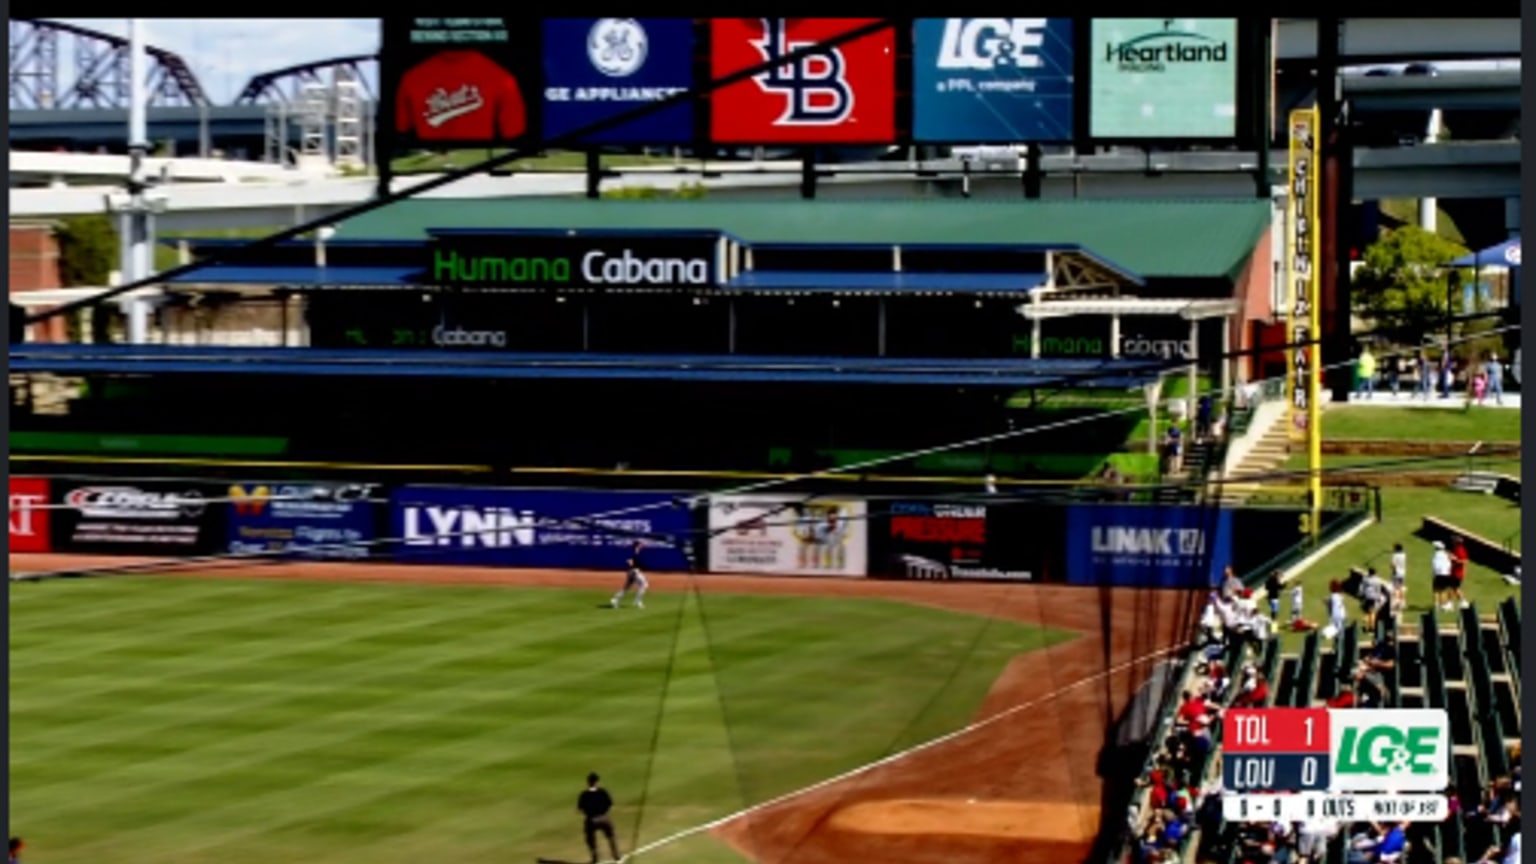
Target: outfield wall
[{"x": 975, "y": 538}]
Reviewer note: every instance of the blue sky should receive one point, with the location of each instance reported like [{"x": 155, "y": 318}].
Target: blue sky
[{"x": 225, "y": 52}]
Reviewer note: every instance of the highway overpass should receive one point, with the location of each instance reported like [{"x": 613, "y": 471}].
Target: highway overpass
[{"x": 1457, "y": 170}]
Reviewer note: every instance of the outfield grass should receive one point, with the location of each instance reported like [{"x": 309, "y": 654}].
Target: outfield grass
[
  {"x": 1403, "y": 511},
  {"x": 156, "y": 721},
  {"x": 1421, "y": 423}
]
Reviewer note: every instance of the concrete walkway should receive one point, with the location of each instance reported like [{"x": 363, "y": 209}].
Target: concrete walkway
[{"x": 1405, "y": 399}]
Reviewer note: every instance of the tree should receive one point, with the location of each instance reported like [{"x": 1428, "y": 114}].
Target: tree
[
  {"x": 88, "y": 250},
  {"x": 1403, "y": 286}
]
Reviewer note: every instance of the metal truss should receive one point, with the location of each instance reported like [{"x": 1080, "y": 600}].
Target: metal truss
[
  {"x": 99, "y": 77},
  {"x": 295, "y": 85}
]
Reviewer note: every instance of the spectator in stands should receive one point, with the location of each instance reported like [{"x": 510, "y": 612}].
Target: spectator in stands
[
  {"x": 1399, "y": 580},
  {"x": 1374, "y": 668},
  {"x": 1440, "y": 568},
  {"x": 1378, "y": 844},
  {"x": 16, "y": 846},
  {"x": 1375, "y": 594},
  {"x": 1365, "y": 372},
  {"x": 1203, "y": 412},
  {"x": 1173, "y": 449},
  {"x": 1495, "y": 371},
  {"x": 1336, "y": 614},
  {"x": 1254, "y": 691},
  {"x": 1426, "y": 372},
  {"x": 1458, "y": 573},
  {"x": 1231, "y": 586},
  {"x": 1312, "y": 839},
  {"x": 1447, "y": 373},
  {"x": 1273, "y": 587}
]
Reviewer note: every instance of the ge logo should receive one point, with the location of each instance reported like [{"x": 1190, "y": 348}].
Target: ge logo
[
  {"x": 815, "y": 88},
  {"x": 617, "y": 46}
]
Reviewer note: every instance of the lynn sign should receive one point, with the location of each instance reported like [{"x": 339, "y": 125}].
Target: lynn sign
[{"x": 519, "y": 261}]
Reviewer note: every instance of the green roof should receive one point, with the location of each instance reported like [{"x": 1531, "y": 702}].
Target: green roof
[{"x": 1152, "y": 238}]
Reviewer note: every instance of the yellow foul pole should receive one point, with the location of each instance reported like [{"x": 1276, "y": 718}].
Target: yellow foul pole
[{"x": 1303, "y": 367}]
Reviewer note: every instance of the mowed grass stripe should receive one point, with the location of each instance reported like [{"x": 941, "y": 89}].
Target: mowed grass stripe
[{"x": 389, "y": 723}]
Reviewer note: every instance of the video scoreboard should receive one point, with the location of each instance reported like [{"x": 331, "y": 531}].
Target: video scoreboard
[{"x": 1295, "y": 764}]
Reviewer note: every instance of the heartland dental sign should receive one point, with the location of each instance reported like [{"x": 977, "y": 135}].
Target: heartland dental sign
[
  {"x": 557, "y": 262},
  {"x": 1147, "y": 546}
]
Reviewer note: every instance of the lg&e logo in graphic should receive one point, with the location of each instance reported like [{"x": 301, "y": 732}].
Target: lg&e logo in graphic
[
  {"x": 982, "y": 44},
  {"x": 1407, "y": 751}
]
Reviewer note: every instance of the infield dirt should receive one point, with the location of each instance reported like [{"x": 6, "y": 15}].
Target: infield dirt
[{"x": 1024, "y": 787}]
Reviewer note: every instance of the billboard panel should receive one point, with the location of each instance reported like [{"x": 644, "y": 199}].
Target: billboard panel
[
  {"x": 537, "y": 527},
  {"x": 596, "y": 68},
  {"x": 1163, "y": 78},
  {"x": 459, "y": 82},
  {"x": 304, "y": 520},
  {"x": 138, "y": 517},
  {"x": 952, "y": 541},
  {"x": 30, "y": 515},
  {"x": 788, "y": 535},
  {"x": 1147, "y": 546},
  {"x": 847, "y": 96},
  {"x": 992, "y": 80}
]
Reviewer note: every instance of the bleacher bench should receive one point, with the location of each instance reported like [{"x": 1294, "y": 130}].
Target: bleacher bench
[{"x": 1480, "y": 549}]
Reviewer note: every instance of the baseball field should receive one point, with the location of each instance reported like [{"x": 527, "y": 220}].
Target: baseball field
[{"x": 369, "y": 715}]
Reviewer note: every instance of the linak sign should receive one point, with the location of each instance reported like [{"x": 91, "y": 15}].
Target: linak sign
[{"x": 521, "y": 261}]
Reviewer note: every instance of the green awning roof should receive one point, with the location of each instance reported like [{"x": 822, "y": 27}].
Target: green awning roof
[{"x": 1156, "y": 239}]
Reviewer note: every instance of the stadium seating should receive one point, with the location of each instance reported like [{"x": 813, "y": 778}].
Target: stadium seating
[{"x": 1467, "y": 664}]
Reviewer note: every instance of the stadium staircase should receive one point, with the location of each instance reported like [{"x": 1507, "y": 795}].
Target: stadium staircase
[{"x": 1468, "y": 665}]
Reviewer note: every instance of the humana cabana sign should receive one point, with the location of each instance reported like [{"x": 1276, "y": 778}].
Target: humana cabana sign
[{"x": 518, "y": 261}]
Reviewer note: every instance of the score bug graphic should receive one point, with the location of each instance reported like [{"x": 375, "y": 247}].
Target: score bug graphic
[{"x": 1315, "y": 761}]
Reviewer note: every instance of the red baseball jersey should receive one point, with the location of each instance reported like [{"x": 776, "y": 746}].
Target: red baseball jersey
[
  {"x": 846, "y": 97},
  {"x": 460, "y": 95}
]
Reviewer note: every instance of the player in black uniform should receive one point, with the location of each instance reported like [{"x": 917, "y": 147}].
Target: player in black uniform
[{"x": 595, "y": 804}]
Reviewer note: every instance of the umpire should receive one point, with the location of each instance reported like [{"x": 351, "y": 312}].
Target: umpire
[{"x": 595, "y": 804}]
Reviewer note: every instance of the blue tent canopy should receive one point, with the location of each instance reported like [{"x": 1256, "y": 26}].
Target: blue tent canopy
[{"x": 1506, "y": 254}]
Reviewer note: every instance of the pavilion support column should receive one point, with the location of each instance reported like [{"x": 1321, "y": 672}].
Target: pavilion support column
[
  {"x": 1227, "y": 360},
  {"x": 586, "y": 324},
  {"x": 1114, "y": 336},
  {"x": 1194, "y": 367},
  {"x": 1034, "y": 339},
  {"x": 880, "y": 310},
  {"x": 730, "y": 326}
]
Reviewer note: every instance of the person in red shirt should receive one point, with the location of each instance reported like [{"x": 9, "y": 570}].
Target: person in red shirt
[
  {"x": 1193, "y": 710},
  {"x": 1255, "y": 690},
  {"x": 460, "y": 95},
  {"x": 1459, "y": 570}
]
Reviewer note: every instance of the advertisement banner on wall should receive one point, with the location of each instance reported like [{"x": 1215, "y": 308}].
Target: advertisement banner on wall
[
  {"x": 304, "y": 520},
  {"x": 537, "y": 528},
  {"x": 992, "y": 80},
  {"x": 139, "y": 517},
  {"x": 1170, "y": 78},
  {"x": 1127, "y": 545},
  {"x": 30, "y": 515},
  {"x": 596, "y": 68},
  {"x": 846, "y": 96},
  {"x": 948, "y": 540},
  {"x": 787, "y": 535},
  {"x": 459, "y": 82}
]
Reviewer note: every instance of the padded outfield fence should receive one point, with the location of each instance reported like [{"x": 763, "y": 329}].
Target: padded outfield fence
[{"x": 1005, "y": 536}]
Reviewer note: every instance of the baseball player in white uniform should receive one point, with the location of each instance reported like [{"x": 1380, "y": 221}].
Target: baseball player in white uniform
[{"x": 634, "y": 578}]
